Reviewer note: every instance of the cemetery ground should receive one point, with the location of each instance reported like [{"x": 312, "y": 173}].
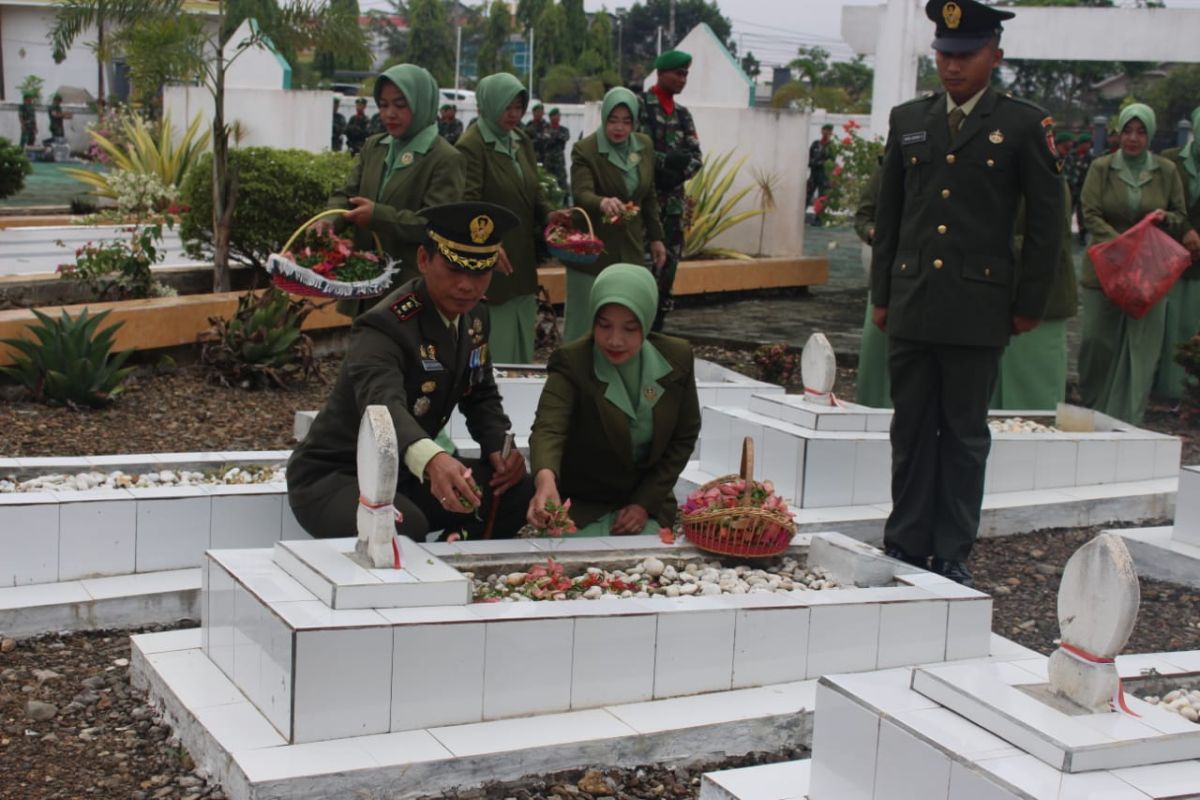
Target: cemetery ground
[{"x": 72, "y": 726}]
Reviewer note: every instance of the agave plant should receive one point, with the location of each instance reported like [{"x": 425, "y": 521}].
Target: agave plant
[
  {"x": 710, "y": 207},
  {"x": 262, "y": 345},
  {"x": 158, "y": 154},
  {"x": 68, "y": 361}
]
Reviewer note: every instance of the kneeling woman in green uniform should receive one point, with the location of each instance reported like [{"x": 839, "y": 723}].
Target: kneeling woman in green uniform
[
  {"x": 610, "y": 168},
  {"x": 619, "y": 416},
  {"x": 1117, "y": 353},
  {"x": 399, "y": 172}
]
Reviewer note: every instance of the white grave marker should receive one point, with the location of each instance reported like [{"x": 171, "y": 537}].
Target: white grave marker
[
  {"x": 378, "y": 469},
  {"x": 1097, "y": 605},
  {"x": 818, "y": 370}
]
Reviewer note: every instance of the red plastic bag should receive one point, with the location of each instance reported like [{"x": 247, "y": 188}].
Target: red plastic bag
[{"x": 1139, "y": 267}]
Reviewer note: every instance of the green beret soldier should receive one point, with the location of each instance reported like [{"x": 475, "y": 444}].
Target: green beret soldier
[
  {"x": 556, "y": 138},
  {"x": 339, "y": 128},
  {"x": 536, "y": 130},
  {"x": 818, "y": 170},
  {"x": 449, "y": 127},
  {"x": 676, "y": 159},
  {"x": 421, "y": 352},
  {"x": 27, "y": 114},
  {"x": 943, "y": 280},
  {"x": 357, "y": 125}
]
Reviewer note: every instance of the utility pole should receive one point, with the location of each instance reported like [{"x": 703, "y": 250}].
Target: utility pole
[
  {"x": 671, "y": 38},
  {"x": 620, "y": 48},
  {"x": 531, "y": 92},
  {"x": 457, "y": 54},
  {"x": 660, "y": 40}
]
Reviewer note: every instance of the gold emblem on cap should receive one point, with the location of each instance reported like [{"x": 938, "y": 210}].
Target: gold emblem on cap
[
  {"x": 996, "y": 137},
  {"x": 407, "y": 158},
  {"x": 952, "y": 14},
  {"x": 481, "y": 228}
]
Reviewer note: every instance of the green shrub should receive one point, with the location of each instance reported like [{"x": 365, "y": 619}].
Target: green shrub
[
  {"x": 120, "y": 270},
  {"x": 14, "y": 168},
  {"x": 277, "y": 190},
  {"x": 262, "y": 345},
  {"x": 68, "y": 362}
]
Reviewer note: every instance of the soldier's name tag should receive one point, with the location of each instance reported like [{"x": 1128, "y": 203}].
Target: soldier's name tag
[
  {"x": 429, "y": 365},
  {"x": 916, "y": 137}
]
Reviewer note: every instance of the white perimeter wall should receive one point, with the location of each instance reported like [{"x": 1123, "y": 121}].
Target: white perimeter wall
[
  {"x": 75, "y": 128},
  {"x": 269, "y": 117},
  {"x": 714, "y": 78},
  {"x": 27, "y": 52}
]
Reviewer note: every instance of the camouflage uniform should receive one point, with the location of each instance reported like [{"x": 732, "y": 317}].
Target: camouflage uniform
[
  {"x": 376, "y": 125},
  {"x": 555, "y": 153},
  {"x": 27, "y": 113},
  {"x": 538, "y": 131},
  {"x": 356, "y": 132},
  {"x": 676, "y": 159},
  {"x": 1076, "y": 169},
  {"x": 339, "y": 129},
  {"x": 450, "y": 131}
]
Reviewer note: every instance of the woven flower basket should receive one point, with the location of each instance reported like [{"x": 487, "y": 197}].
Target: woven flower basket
[
  {"x": 295, "y": 279},
  {"x": 579, "y": 250},
  {"x": 744, "y": 531}
]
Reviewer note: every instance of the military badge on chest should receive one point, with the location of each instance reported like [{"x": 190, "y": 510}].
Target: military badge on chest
[{"x": 429, "y": 359}]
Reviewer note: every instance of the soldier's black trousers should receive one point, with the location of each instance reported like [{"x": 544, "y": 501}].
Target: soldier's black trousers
[
  {"x": 332, "y": 502},
  {"x": 940, "y": 444}
]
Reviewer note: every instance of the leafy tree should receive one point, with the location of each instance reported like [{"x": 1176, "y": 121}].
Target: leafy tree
[
  {"x": 751, "y": 65},
  {"x": 812, "y": 64},
  {"x": 528, "y": 12},
  {"x": 561, "y": 85},
  {"x": 161, "y": 50},
  {"x": 577, "y": 27},
  {"x": 550, "y": 42},
  {"x": 644, "y": 18},
  {"x": 492, "y": 56},
  {"x": 599, "y": 51},
  {"x": 1174, "y": 97},
  {"x": 329, "y": 61},
  {"x": 431, "y": 39}
]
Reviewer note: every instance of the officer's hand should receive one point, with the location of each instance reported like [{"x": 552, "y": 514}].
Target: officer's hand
[
  {"x": 450, "y": 484},
  {"x": 630, "y": 519},
  {"x": 503, "y": 265},
  {"x": 611, "y": 207},
  {"x": 879, "y": 317},
  {"x": 546, "y": 492},
  {"x": 658, "y": 254},
  {"x": 360, "y": 215},
  {"x": 1023, "y": 324},
  {"x": 1158, "y": 215},
  {"x": 1191, "y": 240},
  {"x": 560, "y": 217},
  {"x": 506, "y": 474}
]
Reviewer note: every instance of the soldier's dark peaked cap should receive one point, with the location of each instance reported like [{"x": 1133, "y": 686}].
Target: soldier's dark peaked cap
[
  {"x": 964, "y": 26},
  {"x": 468, "y": 235}
]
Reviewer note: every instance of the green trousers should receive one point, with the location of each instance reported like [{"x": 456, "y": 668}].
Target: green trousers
[
  {"x": 513, "y": 323},
  {"x": 673, "y": 241},
  {"x": 1118, "y": 356},
  {"x": 1033, "y": 369},
  {"x": 940, "y": 443},
  {"x": 1182, "y": 323},
  {"x": 578, "y": 321},
  {"x": 873, "y": 387}
]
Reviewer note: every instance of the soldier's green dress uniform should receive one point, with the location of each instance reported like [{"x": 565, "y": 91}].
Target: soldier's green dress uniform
[
  {"x": 616, "y": 435},
  {"x": 1183, "y": 303},
  {"x": 500, "y": 168},
  {"x": 402, "y": 176},
  {"x": 535, "y": 129},
  {"x": 872, "y": 387},
  {"x": 339, "y": 129},
  {"x": 600, "y": 169},
  {"x": 57, "y": 118},
  {"x": 405, "y": 354},
  {"x": 1118, "y": 354},
  {"x": 555, "y": 159},
  {"x": 356, "y": 127},
  {"x": 1033, "y": 369},
  {"x": 676, "y": 159},
  {"x": 27, "y": 114},
  {"x": 943, "y": 268}
]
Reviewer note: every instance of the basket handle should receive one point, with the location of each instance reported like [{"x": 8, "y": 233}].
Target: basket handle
[
  {"x": 586, "y": 218},
  {"x": 329, "y": 212},
  {"x": 748, "y": 468}
]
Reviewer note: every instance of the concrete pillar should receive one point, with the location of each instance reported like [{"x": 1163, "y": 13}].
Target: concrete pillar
[
  {"x": 902, "y": 36},
  {"x": 1099, "y": 136}
]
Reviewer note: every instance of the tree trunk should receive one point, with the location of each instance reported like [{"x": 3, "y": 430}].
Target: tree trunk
[
  {"x": 100, "y": 60},
  {"x": 224, "y": 183}
]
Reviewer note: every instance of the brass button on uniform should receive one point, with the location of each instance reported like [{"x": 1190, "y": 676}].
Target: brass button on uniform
[
  {"x": 914, "y": 159},
  {"x": 987, "y": 271},
  {"x": 941, "y": 228},
  {"x": 938, "y": 263},
  {"x": 945, "y": 193},
  {"x": 950, "y": 158},
  {"x": 991, "y": 162},
  {"x": 903, "y": 267}
]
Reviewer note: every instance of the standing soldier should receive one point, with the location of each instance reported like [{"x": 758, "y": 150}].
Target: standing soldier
[
  {"x": 537, "y": 129},
  {"x": 943, "y": 280},
  {"x": 1080, "y": 163},
  {"x": 57, "y": 118},
  {"x": 818, "y": 175},
  {"x": 449, "y": 128},
  {"x": 356, "y": 128},
  {"x": 676, "y": 159},
  {"x": 27, "y": 113},
  {"x": 376, "y": 125},
  {"x": 555, "y": 159},
  {"x": 339, "y": 127}
]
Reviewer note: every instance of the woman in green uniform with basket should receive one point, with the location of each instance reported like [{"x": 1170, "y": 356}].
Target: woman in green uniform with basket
[
  {"x": 612, "y": 180},
  {"x": 619, "y": 416},
  {"x": 1183, "y": 303}
]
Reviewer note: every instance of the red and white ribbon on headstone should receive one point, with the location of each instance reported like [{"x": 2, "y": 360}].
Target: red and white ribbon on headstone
[
  {"x": 824, "y": 398},
  {"x": 1118, "y": 698},
  {"x": 399, "y": 518}
]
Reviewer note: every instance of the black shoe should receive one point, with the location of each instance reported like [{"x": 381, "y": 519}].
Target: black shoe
[
  {"x": 954, "y": 570},
  {"x": 891, "y": 551}
]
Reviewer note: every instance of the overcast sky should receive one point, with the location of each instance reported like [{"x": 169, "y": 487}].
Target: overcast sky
[{"x": 774, "y": 29}]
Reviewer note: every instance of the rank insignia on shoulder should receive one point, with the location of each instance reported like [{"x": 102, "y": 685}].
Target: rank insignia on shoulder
[{"x": 406, "y": 307}]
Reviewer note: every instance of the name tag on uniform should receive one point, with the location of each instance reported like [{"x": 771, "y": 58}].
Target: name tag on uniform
[
  {"x": 432, "y": 366},
  {"x": 916, "y": 137}
]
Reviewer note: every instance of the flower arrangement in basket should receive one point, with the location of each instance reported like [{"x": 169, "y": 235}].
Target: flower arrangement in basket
[
  {"x": 736, "y": 515},
  {"x": 323, "y": 264},
  {"x": 571, "y": 245}
]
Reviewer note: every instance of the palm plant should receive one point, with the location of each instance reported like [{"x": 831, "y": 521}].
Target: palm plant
[
  {"x": 146, "y": 152},
  {"x": 710, "y": 207}
]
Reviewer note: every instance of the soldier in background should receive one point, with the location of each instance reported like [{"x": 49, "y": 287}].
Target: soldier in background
[
  {"x": 356, "y": 127},
  {"x": 339, "y": 127},
  {"x": 818, "y": 176},
  {"x": 537, "y": 130},
  {"x": 1077, "y": 169},
  {"x": 555, "y": 158},
  {"x": 449, "y": 127},
  {"x": 676, "y": 159},
  {"x": 27, "y": 113}
]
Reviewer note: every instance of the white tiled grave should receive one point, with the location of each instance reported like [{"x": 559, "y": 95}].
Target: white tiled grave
[
  {"x": 840, "y": 456},
  {"x": 1171, "y": 553},
  {"x": 318, "y": 673}
]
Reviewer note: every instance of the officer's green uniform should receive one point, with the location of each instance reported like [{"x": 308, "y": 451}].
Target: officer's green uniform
[
  {"x": 404, "y": 354},
  {"x": 339, "y": 130},
  {"x": 677, "y": 158},
  {"x": 402, "y": 176},
  {"x": 555, "y": 149},
  {"x": 943, "y": 268},
  {"x": 27, "y": 114},
  {"x": 500, "y": 168},
  {"x": 356, "y": 127},
  {"x": 1033, "y": 369},
  {"x": 872, "y": 387},
  {"x": 1183, "y": 303},
  {"x": 600, "y": 169},
  {"x": 618, "y": 435},
  {"x": 1118, "y": 354}
]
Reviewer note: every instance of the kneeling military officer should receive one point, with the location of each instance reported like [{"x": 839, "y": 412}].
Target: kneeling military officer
[{"x": 421, "y": 351}]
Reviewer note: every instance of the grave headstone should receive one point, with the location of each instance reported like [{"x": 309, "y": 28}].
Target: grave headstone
[
  {"x": 378, "y": 459},
  {"x": 818, "y": 370},
  {"x": 1097, "y": 605}
]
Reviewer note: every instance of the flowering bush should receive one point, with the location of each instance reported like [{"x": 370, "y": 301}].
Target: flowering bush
[
  {"x": 776, "y": 363},
  {"x": 139, "y": 193},
  {"x": 1187, "y": 355},
  {"x": 333, "y": 257},
  {"x": 851, "y": 161},
  {"x": 120, "y": 269}
]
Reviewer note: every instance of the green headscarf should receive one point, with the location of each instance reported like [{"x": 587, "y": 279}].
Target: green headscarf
[
  {"x": 494, "y": 94},
  {"x": 1191, "y": 159},
  {"x": 1135, "y": 172},
  {"x": 623, "y": 156},
  {"x": 634, "y": 287},
  {"x": 420, "y": 91}
]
